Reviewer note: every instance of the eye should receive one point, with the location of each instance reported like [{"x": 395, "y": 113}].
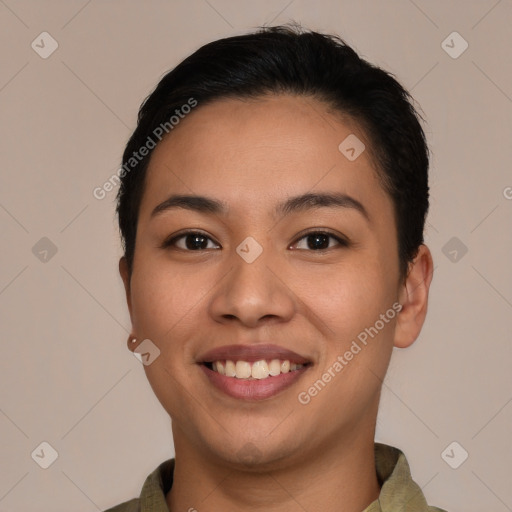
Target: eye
[
  {"x": 190, "y": 241},
  {"x": 320, "y": 241},
  {"x": 198, "y": 241}
]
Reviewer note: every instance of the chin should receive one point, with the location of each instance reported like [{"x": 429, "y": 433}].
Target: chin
[{"x": 257, "y": 455}]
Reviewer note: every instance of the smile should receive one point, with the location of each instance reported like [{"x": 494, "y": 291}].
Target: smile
[
  {"x": 252, "y": 372},
  {"x": 257, "y": 370}
]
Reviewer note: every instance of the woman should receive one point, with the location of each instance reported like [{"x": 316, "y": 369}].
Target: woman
[{"x": 272, "y": 208}]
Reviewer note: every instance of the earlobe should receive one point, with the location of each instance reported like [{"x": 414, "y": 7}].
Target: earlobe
[
  {"x": 414, "y": 299},
  {"x": 132, "y": 343}
]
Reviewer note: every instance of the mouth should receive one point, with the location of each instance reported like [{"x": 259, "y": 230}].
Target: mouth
[
  {"x": 261, "y": 369},
  {"x": 253, "y": 372}
]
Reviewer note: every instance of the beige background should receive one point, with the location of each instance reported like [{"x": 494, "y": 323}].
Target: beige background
[{"x": 67, "y": 377}]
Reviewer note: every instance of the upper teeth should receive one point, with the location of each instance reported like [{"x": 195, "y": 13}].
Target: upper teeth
[{"x": 257, "y": 370}]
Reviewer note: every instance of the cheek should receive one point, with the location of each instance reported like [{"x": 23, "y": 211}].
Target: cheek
[
  {"x": 162, "y": 299},
  {"x": 358, "y": 344},
  {"x": 346, "y": 298},
  {"x": 165, "y": 303}
]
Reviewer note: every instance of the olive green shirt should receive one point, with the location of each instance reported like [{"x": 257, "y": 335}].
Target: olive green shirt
[{"x": 399, "y": 493}]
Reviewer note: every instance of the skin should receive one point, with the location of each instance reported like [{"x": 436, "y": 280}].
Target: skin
[{"x": 252, "y": 155}]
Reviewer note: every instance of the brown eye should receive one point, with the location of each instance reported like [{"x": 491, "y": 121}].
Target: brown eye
[
  {"x": 191, "y": 241},
  {"x": 320, "y": 241}
]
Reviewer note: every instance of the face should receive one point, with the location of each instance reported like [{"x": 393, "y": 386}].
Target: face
[{"x": 261, "y": 268}]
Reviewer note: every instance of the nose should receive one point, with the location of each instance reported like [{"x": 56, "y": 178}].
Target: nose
[{"x": 253, "y": 293}]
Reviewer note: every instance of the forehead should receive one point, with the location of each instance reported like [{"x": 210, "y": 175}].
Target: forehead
[{"x": 251, "y": 152}]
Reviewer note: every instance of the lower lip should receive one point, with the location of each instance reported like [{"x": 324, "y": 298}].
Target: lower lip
[{"x": 253, "y": 389}]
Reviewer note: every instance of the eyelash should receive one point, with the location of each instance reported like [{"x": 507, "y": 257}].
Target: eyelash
[{"x": 342, "y": 243}]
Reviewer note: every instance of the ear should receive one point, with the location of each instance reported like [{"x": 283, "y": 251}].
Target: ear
[
  {"x": 125, "y": 275},
  {"x": 413, "y": 297}
]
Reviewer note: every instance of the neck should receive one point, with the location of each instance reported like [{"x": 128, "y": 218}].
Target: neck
[{"x": 339, "y": 473}]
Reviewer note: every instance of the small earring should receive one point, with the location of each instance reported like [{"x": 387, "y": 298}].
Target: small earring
[{"x": 134, "y": 340}]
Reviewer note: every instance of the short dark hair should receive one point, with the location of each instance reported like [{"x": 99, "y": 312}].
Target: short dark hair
[{"x": 291, "y": 60}]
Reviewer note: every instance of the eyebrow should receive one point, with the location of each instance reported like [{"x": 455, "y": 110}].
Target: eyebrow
[{"x": 294, "y": 204}]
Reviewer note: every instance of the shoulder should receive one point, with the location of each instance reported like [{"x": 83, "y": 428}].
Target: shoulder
[
  {"x": 128, "y": 506},
  {"x": 398, "y": 489},
  {"x": 152, "y": 496}
]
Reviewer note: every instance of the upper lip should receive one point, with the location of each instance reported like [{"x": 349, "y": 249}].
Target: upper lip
[{"x": 251, "y": 353}]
